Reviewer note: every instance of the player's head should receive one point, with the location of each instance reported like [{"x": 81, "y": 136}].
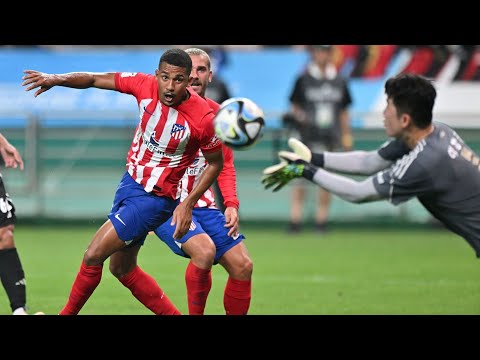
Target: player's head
[
  {"x": 321, "y": 54},
  {"x": 201, "y": 70},
  {"x": 410, "y": 100},
  {"x": 173, "y": 76}
]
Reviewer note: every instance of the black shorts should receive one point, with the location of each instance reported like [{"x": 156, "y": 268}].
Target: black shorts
[{"x": 7, "y": 210}]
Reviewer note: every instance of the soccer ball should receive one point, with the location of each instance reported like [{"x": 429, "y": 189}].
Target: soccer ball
[{"x": 239, "y": 123}]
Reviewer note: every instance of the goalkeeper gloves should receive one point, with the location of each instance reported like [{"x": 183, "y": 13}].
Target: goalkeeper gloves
[{"x": 292, "y": 165}]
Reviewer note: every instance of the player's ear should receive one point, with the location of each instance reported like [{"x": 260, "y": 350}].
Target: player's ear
[
  {"x": 190, "y": 80},
  {"x": 406, "y": 120}
]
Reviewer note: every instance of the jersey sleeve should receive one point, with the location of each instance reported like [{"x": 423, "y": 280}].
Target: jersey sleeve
[
  {"x": 129, "y": 82},
  {"x": 405, "y": 179},
  {"x": 209, "y": 141},
  {"x": 393, "y": 150},
  {"x": 227, "y": 179}
]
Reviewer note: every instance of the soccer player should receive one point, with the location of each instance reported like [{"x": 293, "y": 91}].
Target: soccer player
[
  {"x": 424, "y": 159},
  {"x": 213, "y": 236},
  {"x": 174, "y": 123},
  {"x": 12, "y": 275}
]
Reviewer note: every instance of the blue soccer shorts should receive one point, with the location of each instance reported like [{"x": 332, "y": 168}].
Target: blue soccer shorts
[
  {"x": 204, "y": 220},
  {"x": 136, "y": 212}
]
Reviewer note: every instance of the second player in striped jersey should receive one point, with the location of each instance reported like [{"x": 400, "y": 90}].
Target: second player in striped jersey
[{"x": 213, "y": 237}]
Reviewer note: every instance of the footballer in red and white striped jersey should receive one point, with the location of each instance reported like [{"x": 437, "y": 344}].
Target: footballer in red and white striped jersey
[
  {"x": 226, "y": 179},
  {"x": 167, "y": 138}
]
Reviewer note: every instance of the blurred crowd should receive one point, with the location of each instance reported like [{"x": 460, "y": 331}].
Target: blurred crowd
[{"x": 354, "y": 61}]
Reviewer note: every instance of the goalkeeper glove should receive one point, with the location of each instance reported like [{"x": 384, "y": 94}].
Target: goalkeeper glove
[
  {"x": 292, "y": 165},
  {"x": 277, "y": 176}
]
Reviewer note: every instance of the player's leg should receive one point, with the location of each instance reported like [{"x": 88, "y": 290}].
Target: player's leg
[
  {"x": 323, "y": 207},
  {"x": 238, "y": 290},
  {"x": 124, "y": 225},
  {"x": 232, "y": 254},
  {"x": 12, "y": 275},
  {"x": 296, "y": 206},
  {"x": 11, "y": 272},
  {"x": 199, "y": 247},
  {"x": 124, "y": 266},
  {"x": 104, "y": 243}
]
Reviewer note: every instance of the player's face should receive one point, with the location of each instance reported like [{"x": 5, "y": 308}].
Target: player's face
[
  {"x": 392, "y": 122},
  {"x": 321, "y": 56},
  {"x": 172, "y": 84},
  {"x": 201, "y": 74}
]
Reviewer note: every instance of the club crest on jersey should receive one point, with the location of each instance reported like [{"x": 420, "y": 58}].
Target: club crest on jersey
[{"x": 178, "y": 131}]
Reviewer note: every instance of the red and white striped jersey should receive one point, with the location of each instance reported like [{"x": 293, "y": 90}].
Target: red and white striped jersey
[
  {"x": 166, "y": 139},
  {"x": 227, "y": 179}
]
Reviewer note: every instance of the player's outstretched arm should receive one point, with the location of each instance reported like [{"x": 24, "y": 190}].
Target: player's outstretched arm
[
  {"x": 291, "y": 166},
  {"x": 78, "y": 80},
  {"x": 348, "y": 162}
]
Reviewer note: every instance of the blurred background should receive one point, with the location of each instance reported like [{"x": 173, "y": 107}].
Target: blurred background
[{"x": 74, "y": 142}]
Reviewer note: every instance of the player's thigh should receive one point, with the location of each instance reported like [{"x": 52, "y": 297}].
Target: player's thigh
[
  {"x": 104, "y": 243},
  {"x": 124, "y": 260},
  {"x": 135, "y": 212},
  {"x": 237, "y": 261},
  {"x": 165, "y": 233},
  {"x": 213, "y": 222}
]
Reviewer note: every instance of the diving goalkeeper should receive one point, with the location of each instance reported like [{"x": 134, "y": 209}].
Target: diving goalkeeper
[{"x": 424, "y": 159}]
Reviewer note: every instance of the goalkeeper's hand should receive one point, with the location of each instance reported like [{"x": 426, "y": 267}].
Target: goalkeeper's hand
[
  {"x": 279, "y": 175},
  {"x": 292, "y": 165}
]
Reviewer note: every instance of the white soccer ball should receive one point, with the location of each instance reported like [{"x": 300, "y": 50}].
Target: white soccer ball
[{"x": 239, "y": 123}]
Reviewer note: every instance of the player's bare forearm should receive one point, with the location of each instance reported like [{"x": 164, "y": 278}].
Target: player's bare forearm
[
  {"x": 182, "y": 216},
  {"x": 211, "y": 172},
  {"x": 78, "y": 80}
]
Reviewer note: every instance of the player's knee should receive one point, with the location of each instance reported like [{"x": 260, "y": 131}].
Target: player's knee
[
  {"x": 93, "y": 257},
  {"x": 242, "y": 270},
  {"x": 202, "y": 251},
  {"x": 119, "y": 270},
  {"x": 6, "y": 237}
]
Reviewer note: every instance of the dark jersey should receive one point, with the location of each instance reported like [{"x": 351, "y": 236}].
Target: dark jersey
[
  {"x": 443, "y": 173},
  {"x": 7, "y": 210},
  {"x": 322, "y": 99}
]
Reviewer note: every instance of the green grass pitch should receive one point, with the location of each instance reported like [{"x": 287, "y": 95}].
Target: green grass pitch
[{"x": 347, "y": 271}]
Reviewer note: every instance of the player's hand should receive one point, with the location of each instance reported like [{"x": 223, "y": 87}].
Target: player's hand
[
  {"x": 231, "y": 221},
  {"x": 182, "y": 217},
  {"x": 38, "y": 79},
  {"x": 11, "y": 156},
  {"x": 277, "y": 176},
  {"x": 300, "y": 149}
]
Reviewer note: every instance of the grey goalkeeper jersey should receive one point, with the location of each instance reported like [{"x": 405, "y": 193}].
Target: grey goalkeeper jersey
[{"x": 443, "y": 173}]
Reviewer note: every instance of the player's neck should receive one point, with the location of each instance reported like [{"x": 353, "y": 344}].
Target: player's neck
[{"x": 414, "y": 137}]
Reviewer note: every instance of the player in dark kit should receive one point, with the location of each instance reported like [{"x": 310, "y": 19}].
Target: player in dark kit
[
  {"x": 425, "y": 159},
  {"x": 12, "y": 275}
]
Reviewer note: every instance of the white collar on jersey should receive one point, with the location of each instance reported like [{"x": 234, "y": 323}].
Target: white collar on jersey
[{"x": 329, "y": 74}]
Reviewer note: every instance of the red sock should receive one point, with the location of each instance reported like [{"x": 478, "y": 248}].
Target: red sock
[
  {"x": 236, "y": 297},
  {"x": 85, "y": 283},
  {"x": 146, "y": 290},
  {"x": 199, "y": 283}
]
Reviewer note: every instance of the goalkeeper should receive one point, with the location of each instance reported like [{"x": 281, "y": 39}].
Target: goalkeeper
[{"x": 424, "y": 159}]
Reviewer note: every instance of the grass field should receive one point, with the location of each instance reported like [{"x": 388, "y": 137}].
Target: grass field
[{"x": 347, "y": 271}]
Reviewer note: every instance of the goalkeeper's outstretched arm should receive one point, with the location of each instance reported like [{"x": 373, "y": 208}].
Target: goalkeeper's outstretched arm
[
  {"x": 354, "y": 162},
  {"x": 346, "y": 188},
  {"x": 349, "y": 162}
]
